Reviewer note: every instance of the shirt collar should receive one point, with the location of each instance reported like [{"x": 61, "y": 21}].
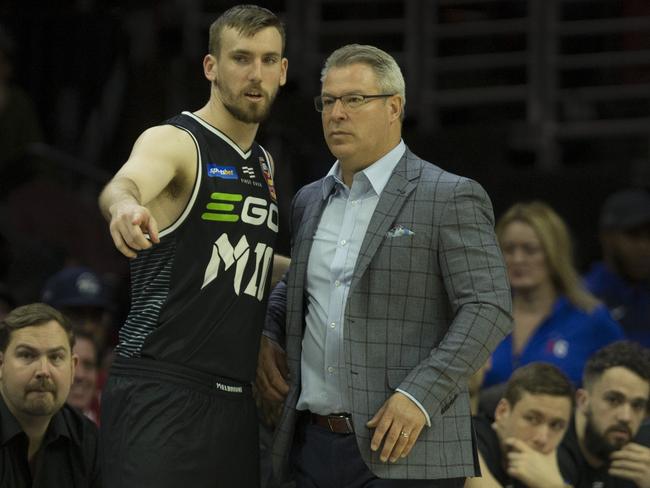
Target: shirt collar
[
  {"x": 378, "y": 173},
  {"x": 11, "y": 428}
]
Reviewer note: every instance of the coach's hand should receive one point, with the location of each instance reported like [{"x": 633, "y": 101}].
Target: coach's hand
[
  {"x": 272, "y": 371},
  {"x": 398, "y": 423}
]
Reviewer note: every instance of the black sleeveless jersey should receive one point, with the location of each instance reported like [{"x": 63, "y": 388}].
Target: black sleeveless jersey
[{"x": 198, "y": 298}]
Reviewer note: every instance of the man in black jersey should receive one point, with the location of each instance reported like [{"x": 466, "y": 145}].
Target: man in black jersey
[
  {"x": 519, "y": 449},
  {"x": 599, "y": 450},
  {"x": 195, "y": 209}
]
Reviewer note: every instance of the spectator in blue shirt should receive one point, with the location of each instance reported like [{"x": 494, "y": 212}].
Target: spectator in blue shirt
[
  {"x": 556, "y": 320},
  {"x": 622, "y": 279}
]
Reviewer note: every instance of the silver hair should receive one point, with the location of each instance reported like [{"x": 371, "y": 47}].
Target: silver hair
[{"x": 387, "y": 71}]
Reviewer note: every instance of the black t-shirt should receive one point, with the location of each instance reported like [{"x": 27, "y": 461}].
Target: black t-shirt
[
  {"x": 198, "y": 298},
  {"x": 67, "y": 457},
  {"x": 488, "y": 446},
  {"x": 578, "y": 472}
]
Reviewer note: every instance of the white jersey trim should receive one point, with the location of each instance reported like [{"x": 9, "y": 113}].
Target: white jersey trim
[
  {"x": 271, "y": 164},
  {"x": 195, "y": 192},
  {"x": 223, "y": 136}
]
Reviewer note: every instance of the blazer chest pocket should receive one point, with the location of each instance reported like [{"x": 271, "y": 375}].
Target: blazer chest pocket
[{"x": 403, "y": 252}]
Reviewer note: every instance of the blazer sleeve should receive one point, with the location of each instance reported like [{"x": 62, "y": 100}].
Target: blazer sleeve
[
  {"x": 276, "y": 313},
  {"x": 276, "y": 309},
  {"x": 475, "y": 280}
]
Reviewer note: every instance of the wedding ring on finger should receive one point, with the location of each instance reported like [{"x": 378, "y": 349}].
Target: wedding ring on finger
[{"x": 403, "y": 434}]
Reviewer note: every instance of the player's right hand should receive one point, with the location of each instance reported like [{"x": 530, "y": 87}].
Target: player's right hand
[
  {"x": 130, "y": 225},
  {"x": 272, "y": 371}
]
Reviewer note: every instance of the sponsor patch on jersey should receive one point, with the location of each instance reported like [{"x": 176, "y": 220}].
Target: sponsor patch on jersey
[
  {"x": 269, "y": 179},
  {"x": 229, "y": 388},
  {"x": 222, "y": 207},
  {"x": 248, "y": 171},
  {"x": 223, "y": 172}
]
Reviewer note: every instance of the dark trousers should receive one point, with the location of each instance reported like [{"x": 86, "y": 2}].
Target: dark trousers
[
  {"x": 166, "y": 427},
  {"x": 323, "y": 459}
]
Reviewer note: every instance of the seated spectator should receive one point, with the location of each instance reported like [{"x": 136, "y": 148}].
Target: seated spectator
[
  {"x": 555, "y": 319},
  {"x": 598, "y": 449},
  {"x": 84, "y": 394},
  {"x": 520, "y": 448},
  {"x": 622, "y": 280},
  {"x": 44, "y": 443},
  {"x": 83, "y": 297}
]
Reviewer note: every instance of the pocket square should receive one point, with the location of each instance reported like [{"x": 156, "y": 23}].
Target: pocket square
[{"x": 398, "y": 231}]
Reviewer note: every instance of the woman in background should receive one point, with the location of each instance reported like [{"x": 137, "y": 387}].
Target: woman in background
[{"x": 556, "y": 319}]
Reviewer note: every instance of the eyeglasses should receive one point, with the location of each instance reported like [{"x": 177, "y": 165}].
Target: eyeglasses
[{"x": 352, "y": 102}]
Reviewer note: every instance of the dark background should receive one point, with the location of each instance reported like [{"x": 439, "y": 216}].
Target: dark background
[{"x": 536, "y": 99}]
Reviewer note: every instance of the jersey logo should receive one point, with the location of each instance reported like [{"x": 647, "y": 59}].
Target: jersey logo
[
  {"x": 248, "y": 171},
  {"x": 254, "y": 210},
  {"x": 224, "y": 172},
  {"x": 224, "y": 253}
]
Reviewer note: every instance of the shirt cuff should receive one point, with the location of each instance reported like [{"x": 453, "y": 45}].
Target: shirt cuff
[
  {"x": 410, "y": 397},
  {"x": 272, "y": 337}
]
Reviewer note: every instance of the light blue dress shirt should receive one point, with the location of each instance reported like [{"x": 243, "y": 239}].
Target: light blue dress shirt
[{"x": 334, "y": 253}]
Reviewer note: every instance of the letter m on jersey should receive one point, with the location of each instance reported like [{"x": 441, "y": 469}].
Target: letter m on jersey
[{"x": 224, "y": 252}]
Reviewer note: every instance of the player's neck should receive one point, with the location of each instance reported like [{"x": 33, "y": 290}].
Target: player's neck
[{"x": 242, "y": 133}]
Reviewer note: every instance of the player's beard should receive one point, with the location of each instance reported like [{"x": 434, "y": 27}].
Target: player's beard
[
  {"x": 240, "y": 108},
  {"x": 597, "y": 442}
]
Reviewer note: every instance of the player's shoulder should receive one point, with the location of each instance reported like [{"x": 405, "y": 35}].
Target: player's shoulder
[
  {"x": 167, "y": 135},
  {"x": 165, "y": 143}
]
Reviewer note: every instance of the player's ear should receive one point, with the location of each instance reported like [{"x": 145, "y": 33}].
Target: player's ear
[{"x": 210, "y": 67}]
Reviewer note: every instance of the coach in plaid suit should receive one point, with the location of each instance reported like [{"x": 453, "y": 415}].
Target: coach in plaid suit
[{"x": 396, "y": 293}]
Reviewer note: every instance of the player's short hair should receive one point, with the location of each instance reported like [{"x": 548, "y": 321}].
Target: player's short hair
[{"x": 248, "y": 20}]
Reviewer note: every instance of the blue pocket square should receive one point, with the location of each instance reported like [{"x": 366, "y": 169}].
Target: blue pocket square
[{"x": 398, "y": 231}]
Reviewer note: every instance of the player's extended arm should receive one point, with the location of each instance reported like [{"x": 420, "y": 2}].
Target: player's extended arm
[{"x": 159, "y": 155}]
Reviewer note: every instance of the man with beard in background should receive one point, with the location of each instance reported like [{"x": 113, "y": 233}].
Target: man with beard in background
[
  {"x": 599, "y": 450},
  {"x": 44, "y": 443}
]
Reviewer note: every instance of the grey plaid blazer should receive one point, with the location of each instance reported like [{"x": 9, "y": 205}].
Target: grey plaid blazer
[{"x": 425, "y": 310}]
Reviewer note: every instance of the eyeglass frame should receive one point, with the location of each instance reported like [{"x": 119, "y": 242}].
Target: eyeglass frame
[{"x": 365, "y": 99}]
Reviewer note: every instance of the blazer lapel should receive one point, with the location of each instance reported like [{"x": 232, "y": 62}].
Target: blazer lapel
[{"x": 401, "y": 183}]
